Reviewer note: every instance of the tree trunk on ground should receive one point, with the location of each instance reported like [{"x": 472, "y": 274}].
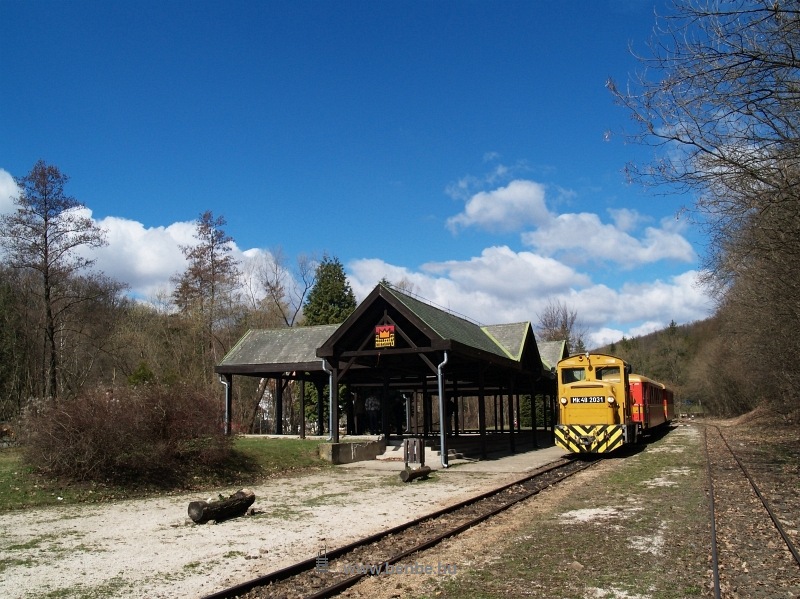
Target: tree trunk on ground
[
  {"x": 236, "y": 505},
  {"x": 409, "y": 475}
]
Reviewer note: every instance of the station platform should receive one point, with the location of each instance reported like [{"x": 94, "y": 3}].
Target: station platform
[
  {"x": 464, "y": 455},
  {"x": 463, "y": 452}
]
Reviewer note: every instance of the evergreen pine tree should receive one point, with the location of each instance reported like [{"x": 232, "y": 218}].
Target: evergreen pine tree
[{"x": 331, "y": 300}]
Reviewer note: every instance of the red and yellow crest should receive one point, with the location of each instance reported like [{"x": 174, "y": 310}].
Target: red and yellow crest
[{"x": 384, "y": 335}]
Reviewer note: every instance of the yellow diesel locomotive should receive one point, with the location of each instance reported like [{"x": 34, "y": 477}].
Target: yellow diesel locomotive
[{"x": 602, "y": 406}]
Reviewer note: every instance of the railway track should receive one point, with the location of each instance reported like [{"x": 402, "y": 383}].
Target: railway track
[
  {"x": 332, "y": 571},
  {"x": 751, "y": 548}
]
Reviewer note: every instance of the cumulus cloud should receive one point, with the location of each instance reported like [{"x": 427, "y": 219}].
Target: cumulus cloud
[
  {"x": 504, "y": 272},
  {"x": 501, "y": 286},
  {"x": 574, "y": 238},
  {"x": 583, "y": 238},
  {"x": 603, "y": 336},
  {"x": 509, "y": 208},
  {"x": 626, "y": 219},
  {"x": 8, "y": 190},
  {"x": 144, "y": 258}
]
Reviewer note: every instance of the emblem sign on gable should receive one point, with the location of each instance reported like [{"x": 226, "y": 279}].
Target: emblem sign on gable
[{"x": 384, "y": 335}]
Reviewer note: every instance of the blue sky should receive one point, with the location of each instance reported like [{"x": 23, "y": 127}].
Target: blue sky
[{"x": 470, "y": 148}]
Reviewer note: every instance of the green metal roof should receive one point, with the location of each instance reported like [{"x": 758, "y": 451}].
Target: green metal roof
[
  {"x": 286, "y": 349},
  {"x": 449, "y": 326}
]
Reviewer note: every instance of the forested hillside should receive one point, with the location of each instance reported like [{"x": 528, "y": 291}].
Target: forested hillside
[{"x": 674, "y": 356}]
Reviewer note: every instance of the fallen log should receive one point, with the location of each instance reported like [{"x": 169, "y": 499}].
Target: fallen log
[
  {"x": 236, "y": 505},
  {"x": 408, "y": 475}
]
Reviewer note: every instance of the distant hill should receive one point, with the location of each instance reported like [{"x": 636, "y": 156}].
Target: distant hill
[{"x": 671, "y": 356}]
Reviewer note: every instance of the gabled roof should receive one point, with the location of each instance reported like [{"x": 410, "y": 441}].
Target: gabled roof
[
  {"x": 448, "y": 325},
  {"x": 511, "y": 337},
  {"x": 424, "y": 331},
  {"x": 552, "y": 352},
  {"x": 277, "y": 350}
]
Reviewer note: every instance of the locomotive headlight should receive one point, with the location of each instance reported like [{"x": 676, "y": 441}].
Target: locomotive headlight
[
  {"x": 610, "y": 399},
  {"x": 563, "y": 401}
]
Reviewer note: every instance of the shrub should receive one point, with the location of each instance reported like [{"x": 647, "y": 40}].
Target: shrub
[{"x": 151, "y": 434}]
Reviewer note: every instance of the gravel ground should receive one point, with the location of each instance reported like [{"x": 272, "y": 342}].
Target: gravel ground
[{"x": 148, "y": 548}]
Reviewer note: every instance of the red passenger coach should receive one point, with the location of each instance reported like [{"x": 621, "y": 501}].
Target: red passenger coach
[
  {"x": 669, "y": 405},
  {"x": 652, "y": 402}
]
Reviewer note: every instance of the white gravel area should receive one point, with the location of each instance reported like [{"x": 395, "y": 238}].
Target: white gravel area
[{"x": 150, "y": 549}]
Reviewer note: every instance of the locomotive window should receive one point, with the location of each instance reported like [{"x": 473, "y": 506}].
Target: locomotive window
[
  {"x": 608, "y": 373},
  {"x": 572, "y": 375}
]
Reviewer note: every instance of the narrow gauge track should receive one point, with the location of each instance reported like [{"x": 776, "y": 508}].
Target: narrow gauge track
[
  {"x": 752, "y": 555},
  {"x": 338, "y": 569}
]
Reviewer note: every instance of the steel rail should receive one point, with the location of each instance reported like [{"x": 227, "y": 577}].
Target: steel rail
[
  {"x": 338, "y": 587},
  {"x": 376, "y": 569},
  {"x": 764, "y": 501}
]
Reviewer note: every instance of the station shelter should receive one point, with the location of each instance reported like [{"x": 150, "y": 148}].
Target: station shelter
[{"x": 425, "y": 371}]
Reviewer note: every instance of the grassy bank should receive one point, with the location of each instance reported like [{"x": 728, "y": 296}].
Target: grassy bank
[
  {"x": 253, "y": 459},
  {"x": 638, "y": 528}
]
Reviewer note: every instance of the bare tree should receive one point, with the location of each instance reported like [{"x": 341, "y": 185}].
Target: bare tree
[
  {"x": 558, "y": 322},
  {"x": 286, "y": 289},
  {"x": 724, "y": 107},
  {"x": 45, "y": 235},
  {"x": 405, "y": 285},
  {"x": 205, "y": 290},
  {"x": 276, "y": 292},
  {"x": 721, "y": 99}
]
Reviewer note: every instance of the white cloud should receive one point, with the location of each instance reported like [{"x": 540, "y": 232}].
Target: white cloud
[
  {"x": 506, "y": 273},
  {"x": 499, "y": 285},
  {"x": 573, "y": 238},
  {"x": 626, "y": 219},
  {"x": 680, "y": 299},
  {"x": 603, "y": 336},
  {"x": 509, "y": 208},
  {"x": 8, "y": 190},
  {"x": 584, "y": 238},
  {"x": 145, "y": 258},
  {"x": 505, "y": 286}
]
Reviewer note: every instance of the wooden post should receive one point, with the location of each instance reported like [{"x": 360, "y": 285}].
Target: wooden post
[
  {"x": 427, "y": 409},
  {"x": 482, "y": 414},
  {"x": 303, "y": 407},
  {"x": 456, "y": 411},
  {"x": 320, "y": 385},
  {"x": 510, "y": 402},
  {"x": 279, "y": 405},
  {"x": 333, "y": 408}
]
